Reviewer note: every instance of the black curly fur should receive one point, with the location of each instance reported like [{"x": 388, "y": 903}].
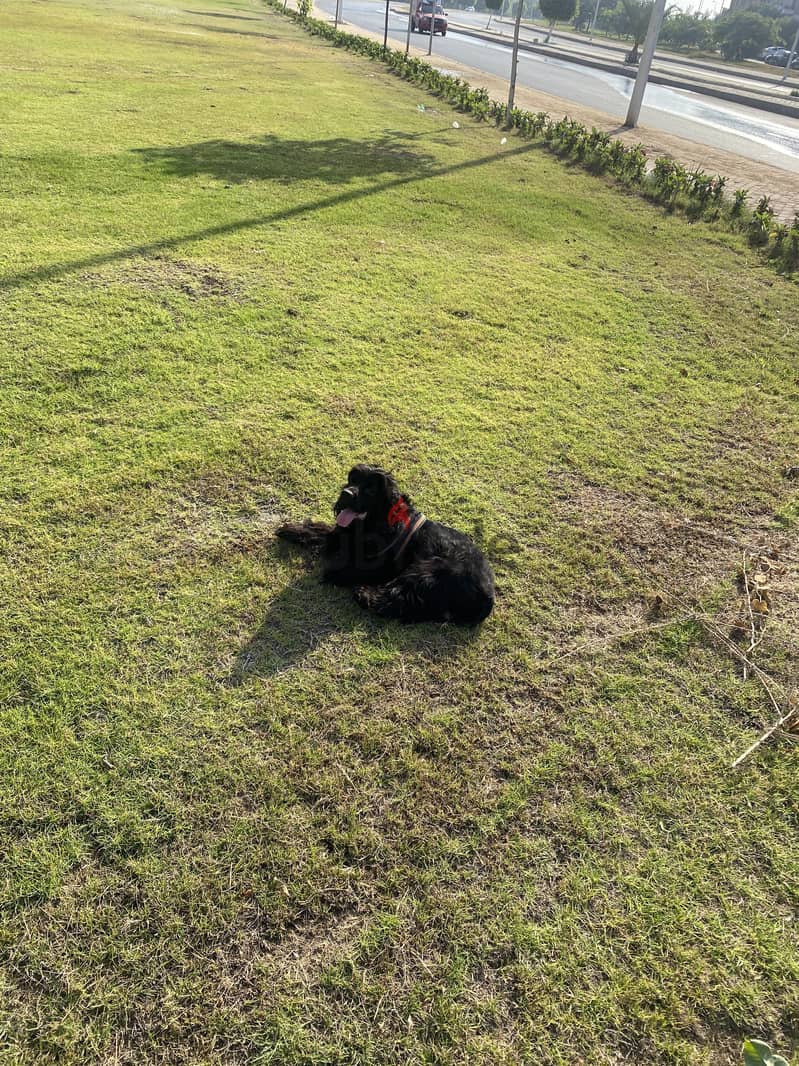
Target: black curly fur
[{"x": 438, "y": 575}]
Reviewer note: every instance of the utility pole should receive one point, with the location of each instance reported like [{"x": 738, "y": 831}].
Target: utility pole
[
  {"x": 338, "y": 15},
  {"x": 655, "y": 22},
  {"x": 593, "y": 20},
  {"x": 432, "y": 27},
  {"x": 790, "y": 57},
  {"x": 385, "y": 30},
  {"x": 514, "y": 62},
  {"x": 410, "y": 22}
]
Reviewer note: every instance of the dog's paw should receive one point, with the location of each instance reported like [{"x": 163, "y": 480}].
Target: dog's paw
[
  {"x": 294, "y": 533},
  {"x": 364, "y": 596}
]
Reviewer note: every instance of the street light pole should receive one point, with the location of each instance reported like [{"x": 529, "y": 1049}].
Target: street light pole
[
  {"x": 790, "y": 57},
  {"x": 338, "y": 14},
  {"x": 655, "y": 22},
  {"x": 432, "y": 27},
  {"x": 385, "y": 30},
  {"x": 593, "y": 20},
  {"x": 410, "y": 23},
  {"x": 514, "y": 61}
]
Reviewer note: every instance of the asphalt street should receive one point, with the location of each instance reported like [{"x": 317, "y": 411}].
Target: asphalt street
[{"x": 746, "y": 131}]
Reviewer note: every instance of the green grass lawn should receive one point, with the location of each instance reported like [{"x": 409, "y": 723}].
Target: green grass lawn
[{"x": 242, "y": 821}]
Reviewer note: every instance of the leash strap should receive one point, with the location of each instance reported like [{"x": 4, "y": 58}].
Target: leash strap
[{"x": 410, "y": 533}]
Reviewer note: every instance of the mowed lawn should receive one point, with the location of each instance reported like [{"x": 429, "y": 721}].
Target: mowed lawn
[{"x": 241, "y": 821}]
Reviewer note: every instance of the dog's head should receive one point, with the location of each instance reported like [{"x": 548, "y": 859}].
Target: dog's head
[{"x": 369, "y": 493}]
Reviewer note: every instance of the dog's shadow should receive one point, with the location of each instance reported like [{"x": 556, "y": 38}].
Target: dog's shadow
[{"x": 307, "y": 614}]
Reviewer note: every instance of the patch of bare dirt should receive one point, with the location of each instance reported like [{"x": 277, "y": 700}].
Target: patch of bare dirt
[
  {"x": 751, "y": 576},
  {"x": 665, "y": 547},
  {"x": 655, "y": 541},
  {"x": 305, "y": 953},
  {"x": 162, "y": 274},
  {"x": 201, "y": 531}
]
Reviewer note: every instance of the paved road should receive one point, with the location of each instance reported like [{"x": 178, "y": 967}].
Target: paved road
[
  {"x": 745, "y": 131},
  {"x": 758, "y": 76}
]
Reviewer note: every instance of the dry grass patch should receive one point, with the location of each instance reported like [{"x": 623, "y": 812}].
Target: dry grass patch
[{"x": 162, "y": 275}]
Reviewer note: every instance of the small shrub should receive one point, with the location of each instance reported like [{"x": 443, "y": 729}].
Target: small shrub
[
  {"x": 740, "y": 196},
  {"x": 634, "y": 163},
  {"x": 669, "y": 179},
  {"x": 761, "y": 223},
  {"x": 778, "y": 236},
  {"x": 790, "y": 254}
]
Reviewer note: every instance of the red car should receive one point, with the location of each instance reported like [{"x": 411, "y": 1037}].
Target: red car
[{"x": 420, "y": 23}]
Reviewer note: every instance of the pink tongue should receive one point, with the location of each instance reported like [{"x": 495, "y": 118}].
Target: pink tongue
[{"x": 345, "y": 517}]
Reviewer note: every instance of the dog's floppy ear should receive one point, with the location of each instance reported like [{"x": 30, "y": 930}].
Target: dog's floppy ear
[{"x": 390, "y": 488}]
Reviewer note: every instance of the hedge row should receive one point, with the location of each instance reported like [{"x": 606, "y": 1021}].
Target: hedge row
[{"x": 697, "y": 194}]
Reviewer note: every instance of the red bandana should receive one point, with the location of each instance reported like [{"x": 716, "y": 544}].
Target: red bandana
[{"x": 399, "y": 514}]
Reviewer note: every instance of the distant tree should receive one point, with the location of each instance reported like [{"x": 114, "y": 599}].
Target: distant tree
[
  {"x": 687, "y": 31},
  {"x": 557, "y": 11},
  {"x": 769, "y": 11},
  {"x": 636, "y": 18},
  {"x": 787, "y": 30},
  {"x": 743, "y": 34},
  {"x": 611, "y": 20},
  {"x": 584, "y": 14},
  {"x": 493, "y": 6},
  {"x": 630, "y": 18}
]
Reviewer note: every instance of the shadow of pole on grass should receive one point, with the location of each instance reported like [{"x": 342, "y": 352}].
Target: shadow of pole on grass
[
  {"x": 224, "y": 15},
  {"x": 56, "y": 270},
  {"x": 233, "y": 32}
]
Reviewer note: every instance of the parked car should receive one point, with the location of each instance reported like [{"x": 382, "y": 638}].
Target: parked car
[
  {"x": 771, "y": 49},
  {"x": 779, "y": 57},
  {"x": 420, "y": 23}
]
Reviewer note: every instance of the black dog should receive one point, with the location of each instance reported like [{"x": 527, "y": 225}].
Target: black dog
[{"x": 402, "y": 565}]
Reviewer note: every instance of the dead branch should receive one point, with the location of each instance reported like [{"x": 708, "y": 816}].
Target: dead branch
[
  {"x": 767, "y": 682},
  {"x": 753, "y": 641},
  {"x": 595, "y": 643},
  {"x": 791, "y": 718}
]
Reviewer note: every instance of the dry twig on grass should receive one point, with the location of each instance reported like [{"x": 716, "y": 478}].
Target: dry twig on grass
[
  {"x": 784, "y": 720},
  {"x": 753, "y": 641},
  {"x": 787, "y": 721},
  {"x": 596, "y": 643},
  {"x": 757, "y": 600}
]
